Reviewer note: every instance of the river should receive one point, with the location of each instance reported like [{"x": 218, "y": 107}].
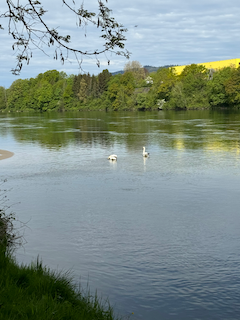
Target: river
[{"x": 158, "y": 236}]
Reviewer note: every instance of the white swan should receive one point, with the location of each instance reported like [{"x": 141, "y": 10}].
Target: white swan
[
  {"x": 145, "y": 153},
  {"x": 112, "y": 157}
]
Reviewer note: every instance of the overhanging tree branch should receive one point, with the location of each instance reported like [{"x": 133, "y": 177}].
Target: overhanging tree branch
[{"x": 29, "y": 29}]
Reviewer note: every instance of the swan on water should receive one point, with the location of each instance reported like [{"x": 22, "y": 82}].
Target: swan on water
[
  {"x": 112, "y": 157},
  {"x": 145, "y": 153}
]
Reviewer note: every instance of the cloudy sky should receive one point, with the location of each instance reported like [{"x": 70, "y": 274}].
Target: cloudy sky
[{"x": 160, "y": 32}]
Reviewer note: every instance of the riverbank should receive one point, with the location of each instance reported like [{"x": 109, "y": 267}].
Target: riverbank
[
  {"x": 4, "y": 154},
  {"x": 34, "y": 292}
]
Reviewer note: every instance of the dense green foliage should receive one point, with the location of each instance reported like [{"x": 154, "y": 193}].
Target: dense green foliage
[{"x": 196, "y": 87}]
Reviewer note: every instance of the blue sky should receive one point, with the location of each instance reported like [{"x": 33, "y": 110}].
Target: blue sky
[{"x": 159, "y": 33}]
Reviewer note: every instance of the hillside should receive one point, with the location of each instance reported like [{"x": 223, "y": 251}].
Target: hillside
[{"x": 149, "y": 69}]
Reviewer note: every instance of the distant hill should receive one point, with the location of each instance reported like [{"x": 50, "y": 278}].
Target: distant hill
[
  {"x": 117, "y": 72},
  {"x": 152, "y": 69},
  {"x": 149, "y": 69}
]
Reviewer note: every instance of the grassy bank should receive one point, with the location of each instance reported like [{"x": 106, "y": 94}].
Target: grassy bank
[{"x": 35, "y": 292}]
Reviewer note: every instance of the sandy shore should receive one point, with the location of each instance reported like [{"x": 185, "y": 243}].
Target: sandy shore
[{"x": 4, "y": 154}]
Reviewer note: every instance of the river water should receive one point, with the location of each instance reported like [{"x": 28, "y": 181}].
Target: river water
[{"x": 158, "y": 236}]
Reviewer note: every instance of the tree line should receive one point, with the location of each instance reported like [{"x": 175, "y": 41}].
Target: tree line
[{"x": 136, "y": 89}]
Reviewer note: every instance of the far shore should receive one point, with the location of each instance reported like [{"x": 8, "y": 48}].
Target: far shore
[{"x": 4, "y": 154}]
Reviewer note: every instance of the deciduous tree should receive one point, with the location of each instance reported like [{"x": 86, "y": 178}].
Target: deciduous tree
[
  {"x": 216, "y": 87},
  {"x": 3, "y": 98},
  {"x": 27, "y": 25},
  {"x": 232, "y": 88},
  {"x": 191, "y": 91},
  {"x": 137, "y": 70}
]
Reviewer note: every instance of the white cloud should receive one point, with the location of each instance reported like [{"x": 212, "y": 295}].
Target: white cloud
[{"x": 162, "y": 32}]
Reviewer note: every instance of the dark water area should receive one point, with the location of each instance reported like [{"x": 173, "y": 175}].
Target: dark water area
[{"x": 158, "y": 236}]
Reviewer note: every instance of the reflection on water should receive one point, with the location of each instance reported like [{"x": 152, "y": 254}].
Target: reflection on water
[
  {"x": 160, "y": 235},
  {"x": 214, "y": 131}
]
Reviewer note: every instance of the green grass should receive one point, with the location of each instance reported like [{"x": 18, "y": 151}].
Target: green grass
[{"x": 36, "y": 292}]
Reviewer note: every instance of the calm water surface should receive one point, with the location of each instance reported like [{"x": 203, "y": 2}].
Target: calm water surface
[{"x": 159, "y": 236}]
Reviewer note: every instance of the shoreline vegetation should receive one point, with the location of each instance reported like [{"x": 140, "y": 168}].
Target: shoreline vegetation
[
  {"x": 136, "y": 89},
  {"x": 35, "y": 292}
]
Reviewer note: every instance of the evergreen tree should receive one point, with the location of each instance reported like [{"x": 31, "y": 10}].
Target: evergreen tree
[{"x": 103, "y": 79}]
